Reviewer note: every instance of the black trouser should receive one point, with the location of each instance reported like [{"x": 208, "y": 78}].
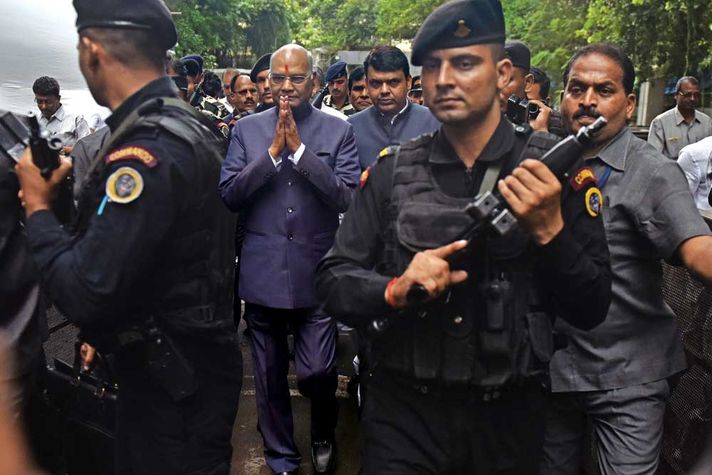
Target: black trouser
[
  {"x": 158, "y": 435},
  {"x": 408, "y": 432}
]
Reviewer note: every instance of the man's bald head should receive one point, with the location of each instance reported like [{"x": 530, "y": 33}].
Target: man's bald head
[
  {"x": 293, "y": 49},
  {"x": 291, "y": 74}
]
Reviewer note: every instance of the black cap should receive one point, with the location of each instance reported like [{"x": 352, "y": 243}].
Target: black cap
[
  {"x": 198, "y": 60},
  {"x": 336, "y": 70},
  {"x": 459, "y": 23},
  {"x": 260, "y": 65},
  {"x": 150, "y": 15},
  {"x": 519, "y": 53},
  {"x": 192, "y": 67}
]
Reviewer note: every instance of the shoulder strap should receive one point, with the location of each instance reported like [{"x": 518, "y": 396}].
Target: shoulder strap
[{"x": 490, "y": 179}]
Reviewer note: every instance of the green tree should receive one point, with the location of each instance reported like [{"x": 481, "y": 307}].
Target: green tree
[{"x": 230, "y": 32}]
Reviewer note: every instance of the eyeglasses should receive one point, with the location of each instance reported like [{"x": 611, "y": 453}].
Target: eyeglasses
[
  {"x": 46, "y": 101},
  {"x": 280, "y": 78},
  {"x": 690, "y": 94}
]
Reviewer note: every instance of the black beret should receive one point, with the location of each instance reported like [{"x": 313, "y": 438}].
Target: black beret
[
  {"x": 197, "y": 58},
  {"x": 519, "y": 53},
  {"x": 150, "y": 15},
  {"x": 459, "y": 23},
  {"x": 192, "y": 67},
  {"x": 260, "y": 65},
  {"x": 336, "y": 70}
]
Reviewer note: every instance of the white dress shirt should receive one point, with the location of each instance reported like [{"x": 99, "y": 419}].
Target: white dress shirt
[
  {"x": 66, "y": 126},
  {"x": 696, "y": 162}
]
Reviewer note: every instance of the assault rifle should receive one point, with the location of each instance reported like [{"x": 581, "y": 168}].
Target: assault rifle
[
  {"x": 18, "y": 132},
  {"x": 490, "y": 212}
]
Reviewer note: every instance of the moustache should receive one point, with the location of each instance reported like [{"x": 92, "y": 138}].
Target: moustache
[{"x": 586, "y": 111}]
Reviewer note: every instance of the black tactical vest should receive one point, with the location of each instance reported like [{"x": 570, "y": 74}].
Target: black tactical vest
[
  {"x": 190, "y": 289},
  {"x": 489, "y": 331}
]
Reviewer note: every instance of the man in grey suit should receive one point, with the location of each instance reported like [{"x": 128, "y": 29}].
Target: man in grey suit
[
  {"x": 291, "y": 170},
  {"x": 392, "y": 119}
]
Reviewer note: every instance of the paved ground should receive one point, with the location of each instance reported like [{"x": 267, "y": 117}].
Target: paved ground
[{"x": 247, "y": 442}]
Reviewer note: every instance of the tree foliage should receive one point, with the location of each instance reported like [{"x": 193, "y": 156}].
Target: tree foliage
[
  {"x": 230, "y": 32},
  {"x": 663, "y": 37}
]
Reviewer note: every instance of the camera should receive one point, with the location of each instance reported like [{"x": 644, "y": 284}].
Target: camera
[{"x": 520, "y": 110}]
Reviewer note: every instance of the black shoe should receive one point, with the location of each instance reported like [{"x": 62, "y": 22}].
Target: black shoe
[
  {"x": 293, "y": 472},
  {"x": 324, "y": 456}
]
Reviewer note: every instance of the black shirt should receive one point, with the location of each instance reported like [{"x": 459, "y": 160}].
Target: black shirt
[
  {"x": 110, "y": 274},
  {"x": 572, "y": 270}
]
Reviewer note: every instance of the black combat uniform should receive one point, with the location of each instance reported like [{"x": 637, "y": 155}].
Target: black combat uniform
[
  {"x": 148, "y": 274},
  {"x": 456, "y": 385},
  {"x": 165, "y": 257}
]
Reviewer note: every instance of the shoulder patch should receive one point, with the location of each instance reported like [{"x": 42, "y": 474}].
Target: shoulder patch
[
  {"x": 124, "y": 185},
  {"x": 594, "y": 201},
  {"x": 364, "y": 177},
  {"x": 133, "y": 152},
  {"x": 390, "y": 150},
  {"x": 582, "y": 177}
]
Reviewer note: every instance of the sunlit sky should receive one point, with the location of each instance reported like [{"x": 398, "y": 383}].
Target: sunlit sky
[{"x": 38, "y": 38}]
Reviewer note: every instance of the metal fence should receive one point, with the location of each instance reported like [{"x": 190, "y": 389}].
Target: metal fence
[{"x": 689, "y": 412}]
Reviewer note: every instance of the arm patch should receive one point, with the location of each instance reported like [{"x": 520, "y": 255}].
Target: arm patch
[
  {"x": 582, "y": 177},
  {"x": 132, "y": 152}
]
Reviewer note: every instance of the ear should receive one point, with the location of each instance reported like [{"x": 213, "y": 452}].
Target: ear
[
  {"x": 528, "y": 82},
  {"x": 630, "y": 106},
  {"x": 93, "y": 51},
  {"x": 504, "y": 73},
  {"x": 408, "y": 82}
]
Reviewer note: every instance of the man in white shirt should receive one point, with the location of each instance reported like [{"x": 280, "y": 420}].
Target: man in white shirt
[
  {"x": 696, "y": 162},
  {"x": 59, "y": 123}
]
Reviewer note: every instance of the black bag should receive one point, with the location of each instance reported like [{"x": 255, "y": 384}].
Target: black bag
[{"x": 86, "y": 405}]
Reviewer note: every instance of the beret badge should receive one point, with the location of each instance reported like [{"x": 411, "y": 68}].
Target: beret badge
[{"x": 462, "y": 30}]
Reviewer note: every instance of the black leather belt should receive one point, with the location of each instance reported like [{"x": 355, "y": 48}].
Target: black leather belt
[{"x": 462, "y": 393}]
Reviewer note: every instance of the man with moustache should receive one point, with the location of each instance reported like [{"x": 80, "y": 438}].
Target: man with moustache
[
  {"x": 393, "y": 119},
  {"x": 683, "y": 124},
  {"x": 260, "y": 76},
  {"x": 147, "y": 274},
  {"x": 358, "y": 92},
  {"x": 290, "y": 171},
  {"x": 55, "y": 118},
  {"x": 245, "y": 93},
  {"x": 617, "y": 375},
  {"x": 337, "y": 78},
  {"x": 456, "y": 382},
  {"x": 228, "y": 75}
]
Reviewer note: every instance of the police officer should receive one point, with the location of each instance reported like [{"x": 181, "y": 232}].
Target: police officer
[
  {"x": 260, "y": 76},
  {"x": 148, "y": 274},
  {"x": 337, "y": 78},
  {"x": 456, "y": 381}
]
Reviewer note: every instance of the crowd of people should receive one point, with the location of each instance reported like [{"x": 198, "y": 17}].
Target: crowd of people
[{"x": 501, "y": 308}]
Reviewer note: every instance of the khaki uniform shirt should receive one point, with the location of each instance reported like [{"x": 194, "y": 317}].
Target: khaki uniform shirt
[{"x": 669, "y": 132}]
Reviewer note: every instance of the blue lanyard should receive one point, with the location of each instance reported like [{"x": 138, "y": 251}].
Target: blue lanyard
[{"x": 604, "y": 178}]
